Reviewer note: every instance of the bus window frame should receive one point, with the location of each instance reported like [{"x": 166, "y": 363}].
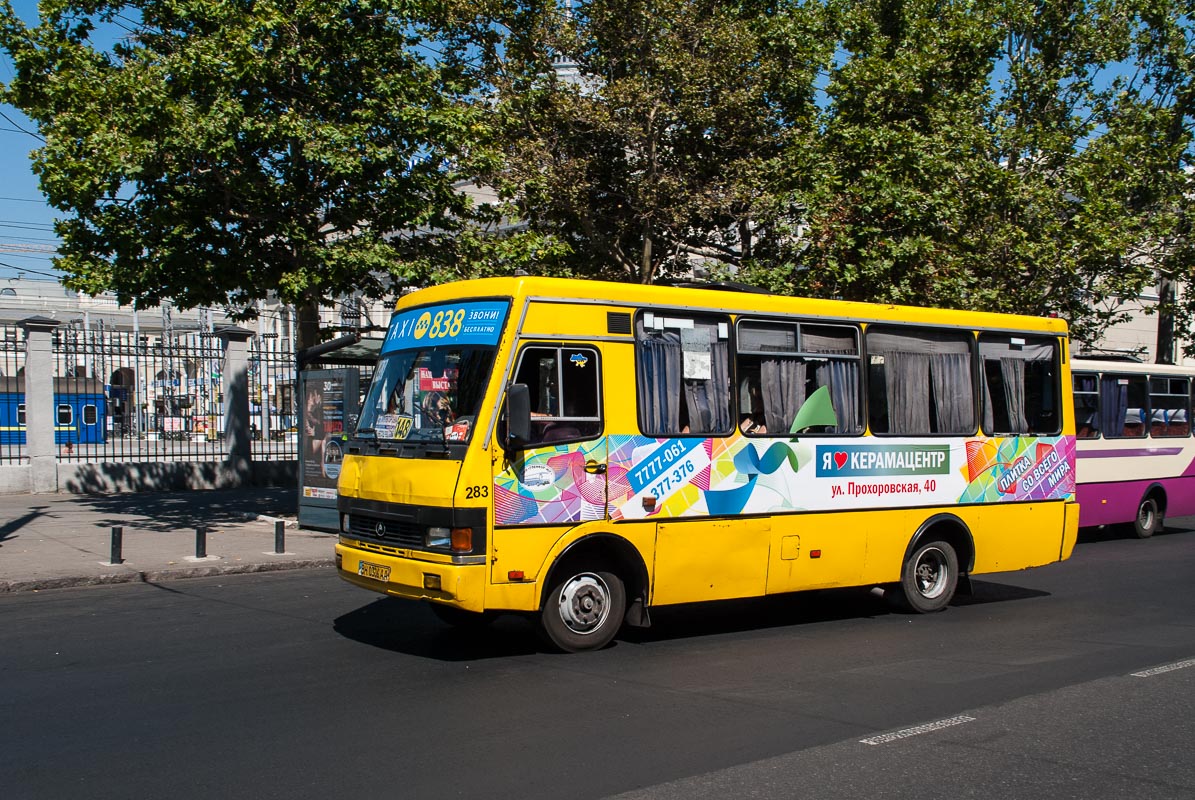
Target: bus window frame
[
  {"x": 528, "y": 345},
  {"x": 1186, "y": 409},
  {"x": 886, "y": 328},
  {"x": 1096, "y": 432},
  {"x": 703, "y": 317},
  {"x": 801, "y": 352},
  {"x": 1027, "y": 341},
  {"x": 1126, "y": 376}
]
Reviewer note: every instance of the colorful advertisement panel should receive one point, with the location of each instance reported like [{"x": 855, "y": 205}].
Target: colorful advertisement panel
[{"x": 663, "y": 478}]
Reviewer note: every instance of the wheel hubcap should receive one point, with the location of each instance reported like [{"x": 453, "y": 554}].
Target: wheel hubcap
[
  {"x": 584, "y": 603},
  {"x": 931, "y": 573}
]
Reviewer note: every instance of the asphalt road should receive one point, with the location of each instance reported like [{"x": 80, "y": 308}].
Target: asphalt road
[{"x": 297, "y": 685}]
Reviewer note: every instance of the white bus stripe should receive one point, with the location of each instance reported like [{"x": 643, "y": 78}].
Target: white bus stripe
[
  {"x": 1149, "y": 673},
  {"x": 919, "y": 729}
]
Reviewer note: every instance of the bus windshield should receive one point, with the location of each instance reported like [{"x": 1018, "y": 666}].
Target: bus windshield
[{"x": 427, "y": 395}]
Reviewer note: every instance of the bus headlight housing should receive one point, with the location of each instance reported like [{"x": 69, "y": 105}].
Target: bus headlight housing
[
  {"x": 438, "y": 537},
  {"x": 458, "y": 540}
]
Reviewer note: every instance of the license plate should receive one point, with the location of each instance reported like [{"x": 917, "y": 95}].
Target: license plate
[{"x": 375, "y": 572}]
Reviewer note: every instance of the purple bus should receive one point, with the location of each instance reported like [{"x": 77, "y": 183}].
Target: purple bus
[{"x": 1135, "y": 454}]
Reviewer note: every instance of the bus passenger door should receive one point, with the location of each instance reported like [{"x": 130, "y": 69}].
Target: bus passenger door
[{"x": 559, "y": 477}]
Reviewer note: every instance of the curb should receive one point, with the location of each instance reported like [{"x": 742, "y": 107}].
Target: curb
[{"x": 158, "y": 575}]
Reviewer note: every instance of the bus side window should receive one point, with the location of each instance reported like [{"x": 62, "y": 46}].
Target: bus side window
[
  {"x": 682, "y": 368},
  {"x": 565, "y": 388},
  {"x": 1087, "y": 405},
  {"x": 798, "y": 378},
  {"x": 1019, "y": 384},
  {"x": 920, "y": 382},
  {"x": 1169, "y": 400},
  {"x": 1123, "y": 405}
]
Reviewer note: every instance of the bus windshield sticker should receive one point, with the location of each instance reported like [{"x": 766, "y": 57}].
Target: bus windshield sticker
[{"x": 394, "y": 426}]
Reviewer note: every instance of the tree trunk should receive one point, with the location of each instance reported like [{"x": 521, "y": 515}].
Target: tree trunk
[
  {"x": 645, "y": 274},
  {"x": 1164, "y": 353},
  {"x": 308, "y": 328}
]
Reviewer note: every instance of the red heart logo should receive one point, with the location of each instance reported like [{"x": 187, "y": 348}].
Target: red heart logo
[{"x": 840, "y": 459}]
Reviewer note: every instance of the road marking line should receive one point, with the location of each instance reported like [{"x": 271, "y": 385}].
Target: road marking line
[
  {"x": 1149, "y": 673},
  {"x": 919, "y": 729}
]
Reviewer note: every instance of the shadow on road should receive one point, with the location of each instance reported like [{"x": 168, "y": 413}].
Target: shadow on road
[
  {"x": 410, "y": 628},
  {"x": 1113, "y": 533},
  {"x": 9, "y": 529},
  {"x": 403, "y": 626}
]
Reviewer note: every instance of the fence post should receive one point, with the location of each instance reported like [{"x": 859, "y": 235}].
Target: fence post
[
  {"x": 39, "y": 403},
  {"x": 235, "y": 385}
]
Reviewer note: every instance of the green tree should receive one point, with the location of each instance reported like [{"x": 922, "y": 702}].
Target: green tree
[
  {"x": 217, "y": 151},
  {"x": 642, "y": 137},
  {"x": 1003, "y": 155}
]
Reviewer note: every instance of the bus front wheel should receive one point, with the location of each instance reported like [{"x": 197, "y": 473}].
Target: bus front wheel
[
  {"x": 583, "y": 610},
  {"x": 929, "y": 577},
  {"x": 1149, "y": 519}
]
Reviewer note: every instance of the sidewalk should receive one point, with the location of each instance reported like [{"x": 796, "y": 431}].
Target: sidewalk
[{"x": 51, "y": 541}]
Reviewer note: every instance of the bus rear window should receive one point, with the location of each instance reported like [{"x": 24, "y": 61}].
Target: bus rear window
[{"x": 1020, "y": 385}]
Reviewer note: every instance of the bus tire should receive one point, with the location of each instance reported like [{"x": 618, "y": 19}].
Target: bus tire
[
  {"x": 929, "y": 577},
  {"x": 460, "y": 618},
  {"x": 583, "y": 610},
  {"x": 1149, "y": 519}
]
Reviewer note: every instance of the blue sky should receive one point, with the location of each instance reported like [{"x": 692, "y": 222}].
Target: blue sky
[{"x": 26, "y": 231}]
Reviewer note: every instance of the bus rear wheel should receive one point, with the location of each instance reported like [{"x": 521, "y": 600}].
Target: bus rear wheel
[
  {"x": 929, "y": 577},
  {"x": 1149, "y": 519},
  {"x": 583, "y": 610}
]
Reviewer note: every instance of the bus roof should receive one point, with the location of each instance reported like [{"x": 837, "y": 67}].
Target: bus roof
[
  {"x": 636, "y": 296},
  {"x": 1128, "y": 367}
]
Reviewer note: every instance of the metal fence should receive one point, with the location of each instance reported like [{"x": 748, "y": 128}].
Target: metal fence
[
  {"x": 273, "y": 413},
  {"x": 12, "y": 403},
  {"x": 125, "y": 396}
]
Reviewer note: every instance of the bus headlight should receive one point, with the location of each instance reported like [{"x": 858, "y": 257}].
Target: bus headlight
[
  {"x": 458, "y": 540},
  {"x": 438, "y": 537}
]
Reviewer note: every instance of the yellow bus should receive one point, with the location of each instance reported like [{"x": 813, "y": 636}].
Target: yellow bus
[{"x": 584, "y": 451}]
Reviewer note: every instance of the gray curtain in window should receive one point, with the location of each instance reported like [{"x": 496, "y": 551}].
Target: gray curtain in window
[
  {"x": 843, "y": 379},
  {"x": 1114, "y": 404},
  {"x": 783, "y": 386},
  {"x": 907, "y": 384},
  {"x": 954, "y": 401},
  {"x": 1012, "y": 370},
  {"x": 659, "y": 367},
  {"x": 709, "y": 400}
]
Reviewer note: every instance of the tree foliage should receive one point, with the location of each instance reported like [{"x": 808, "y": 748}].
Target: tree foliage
[
  {"x": 217, "y": 151},
  {"x": 643, "y": 136},
  {"x": 1011, "y": 155},
  {"x": 1002, "y": 155}
]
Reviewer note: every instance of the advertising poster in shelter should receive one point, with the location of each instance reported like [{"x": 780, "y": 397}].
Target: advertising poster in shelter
[{"x": 328, "y": 411}]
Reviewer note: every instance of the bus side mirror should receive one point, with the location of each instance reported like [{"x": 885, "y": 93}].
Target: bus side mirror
[{"x": 518, "y": 417}]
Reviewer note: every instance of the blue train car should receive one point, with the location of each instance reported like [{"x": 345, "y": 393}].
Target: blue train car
[{"x": 80, "y": 411}]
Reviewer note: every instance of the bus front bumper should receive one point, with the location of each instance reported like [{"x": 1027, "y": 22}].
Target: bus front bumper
[{"x": 406, "y": 575}]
